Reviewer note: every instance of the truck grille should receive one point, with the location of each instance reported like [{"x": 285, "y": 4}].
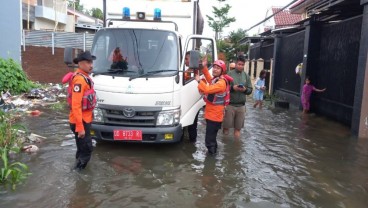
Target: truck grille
[{"x": 143, "y": 116}]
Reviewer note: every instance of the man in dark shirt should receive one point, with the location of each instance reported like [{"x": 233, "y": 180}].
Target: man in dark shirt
[{"x": 240, "y": 87}]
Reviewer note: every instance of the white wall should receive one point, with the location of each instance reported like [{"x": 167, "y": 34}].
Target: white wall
[
  {"x": 70, "y": 24},
  {"x": 44, "y": 24},
  {"x": 11, "y": 32}
]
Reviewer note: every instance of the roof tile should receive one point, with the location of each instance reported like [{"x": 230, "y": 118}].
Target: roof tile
[{"x": 285, "y": 18}]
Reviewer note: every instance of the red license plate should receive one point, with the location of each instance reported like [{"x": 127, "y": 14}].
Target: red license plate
[{"x": 135, "y": 135}]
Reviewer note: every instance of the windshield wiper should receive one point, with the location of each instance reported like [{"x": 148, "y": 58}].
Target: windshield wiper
[
  {"x": 151, "y": 73},
  {"x": 112, "y": 71}
]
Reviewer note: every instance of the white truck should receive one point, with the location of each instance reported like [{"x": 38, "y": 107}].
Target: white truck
[{"x": 143, "y": 94}]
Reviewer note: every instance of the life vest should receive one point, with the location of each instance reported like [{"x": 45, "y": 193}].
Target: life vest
[
  {"x": 89, "y": 97},
  {"x": 219, "y": 98}
]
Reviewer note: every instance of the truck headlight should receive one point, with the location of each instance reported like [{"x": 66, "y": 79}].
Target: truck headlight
[
  {"x": 168, "y": 118},
  {"x": 98, "y": 115}
]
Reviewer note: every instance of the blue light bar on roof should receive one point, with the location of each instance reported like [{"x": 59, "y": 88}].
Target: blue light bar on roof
[
  {"x": 157, "y": 14},
  {"x": 126, "y": 13}
]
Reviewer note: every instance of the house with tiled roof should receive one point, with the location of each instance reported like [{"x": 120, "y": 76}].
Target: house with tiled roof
[{"x": 281, "y": 19}]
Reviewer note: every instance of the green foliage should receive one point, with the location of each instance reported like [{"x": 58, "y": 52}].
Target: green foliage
[
  {"x": 96, "y": 13},
  {"x": 76, "y": 5},
  {"x": 235, "y": 37},
  {"x": 10, "y": 173},
  {"x": 220, "y": 19},
  {"x": 8, "y": 131},
  {"x": 231, "y": 47},
  {"x": 226, "y": 48},
  {"x": 13, "y": 78}
]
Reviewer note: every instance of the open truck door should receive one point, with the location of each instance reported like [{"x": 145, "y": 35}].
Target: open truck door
[{"x": 196, "y": 47}]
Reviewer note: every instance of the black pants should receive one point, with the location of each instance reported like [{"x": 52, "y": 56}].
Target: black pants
[
  {"x": 211, "y": 134},
  {"x": 192, "y": 129},
  {"x": 84, "y": 146}
]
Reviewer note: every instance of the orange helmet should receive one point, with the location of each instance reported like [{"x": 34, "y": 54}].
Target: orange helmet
[
  {"x": 221, "y": 64},
  {"x": 232, "y": 65}
]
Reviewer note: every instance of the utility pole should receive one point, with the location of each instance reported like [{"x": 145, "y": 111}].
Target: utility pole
[
  {"x": 28, "y": 15},
  {"x": 104, "y": 13}
]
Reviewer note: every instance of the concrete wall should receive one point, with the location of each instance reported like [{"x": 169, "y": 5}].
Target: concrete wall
[
  {"x": 49, "y": 25},
  {"x": 11, "y": 37}
]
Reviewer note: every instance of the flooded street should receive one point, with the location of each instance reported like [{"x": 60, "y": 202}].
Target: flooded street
[{"x": 282, "y": 160}]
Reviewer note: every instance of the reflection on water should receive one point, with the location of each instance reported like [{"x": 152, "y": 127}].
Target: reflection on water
[{"x": 283, "y": 159}]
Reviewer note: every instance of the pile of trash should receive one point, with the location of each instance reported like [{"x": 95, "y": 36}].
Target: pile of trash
[
  {"x": 50, "y": 94},
  {"x": 28, "y": 103}
]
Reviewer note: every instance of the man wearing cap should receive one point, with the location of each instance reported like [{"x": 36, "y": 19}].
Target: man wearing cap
[
  {"x": 80, "y": 116},
  {"x": 214, "y": 90}
]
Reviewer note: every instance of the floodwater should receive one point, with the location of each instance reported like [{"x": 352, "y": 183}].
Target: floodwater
[{"x": 282, "y": 160}]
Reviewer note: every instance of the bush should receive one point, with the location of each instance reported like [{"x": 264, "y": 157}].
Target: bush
[
  {"x": 8, "y": 131},
  {"x": 13, "y": 78},
  {"x": 10, "y": 173}
]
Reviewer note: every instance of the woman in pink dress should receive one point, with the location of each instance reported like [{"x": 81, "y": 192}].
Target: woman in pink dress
[{"x": 308, "y": 88}]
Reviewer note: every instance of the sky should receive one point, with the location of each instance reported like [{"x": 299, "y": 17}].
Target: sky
[{"x": 246, "y": 12}]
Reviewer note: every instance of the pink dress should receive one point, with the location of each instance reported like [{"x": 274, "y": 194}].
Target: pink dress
[{"x": 306, "y": 93}]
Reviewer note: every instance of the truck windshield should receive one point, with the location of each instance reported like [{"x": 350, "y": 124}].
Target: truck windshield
[{"x": 131, "y": 52}]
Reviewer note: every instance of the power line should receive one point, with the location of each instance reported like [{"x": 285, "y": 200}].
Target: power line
[{"x": 267, "y": 18}]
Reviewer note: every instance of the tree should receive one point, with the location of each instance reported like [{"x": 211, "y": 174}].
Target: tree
[
  {"x": 220, "y": 19},
  {"x": 96, "y": 13},
  {"x": 230, "y": 46},
  {"x": 78, "y": 6},
  {"x": 225, "y": 48},
  {"x": 235, "y": 37}
]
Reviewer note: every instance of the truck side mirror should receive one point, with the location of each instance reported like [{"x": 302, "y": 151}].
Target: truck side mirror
[
  {"x": 194, "y": 59},
  {"x": 68, "y": 56}
]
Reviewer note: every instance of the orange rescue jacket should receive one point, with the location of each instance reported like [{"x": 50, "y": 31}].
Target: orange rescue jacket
[
  {"x": 76, "y": 115},
  {"x": 212, "y": 112}
]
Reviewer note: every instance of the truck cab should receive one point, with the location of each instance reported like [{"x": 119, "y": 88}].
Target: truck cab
[{"x": 145, "y": 92}]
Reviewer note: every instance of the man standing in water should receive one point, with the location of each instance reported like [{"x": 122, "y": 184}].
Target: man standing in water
[
  {"x": 240, "y": 87},
  {"x": 82, "y": 100}
]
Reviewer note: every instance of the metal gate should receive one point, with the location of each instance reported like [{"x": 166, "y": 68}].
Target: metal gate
[
  {"x": 338, "y": 63},
  {"x": 290, "y": 55}
]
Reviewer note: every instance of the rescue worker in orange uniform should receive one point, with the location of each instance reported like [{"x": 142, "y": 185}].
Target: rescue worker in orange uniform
[
  {"x": 214, "y": 90},
  {"x": 82, "y": 102}
]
